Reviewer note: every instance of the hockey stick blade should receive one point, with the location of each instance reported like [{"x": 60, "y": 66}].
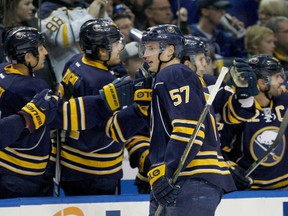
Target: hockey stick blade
[
  {"x": 202, "y": 117},
  {"x": 276, "y": 142}
]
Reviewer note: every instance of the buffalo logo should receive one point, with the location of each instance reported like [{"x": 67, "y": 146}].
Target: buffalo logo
[
  {"x": 170, "y": 29},
  {"x": 19, "y": 35},
  {"x": 261, "y": 142}
]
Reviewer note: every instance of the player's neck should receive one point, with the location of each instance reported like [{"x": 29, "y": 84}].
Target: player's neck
[
  {"x": 262, "y": 99},
  {"x": 22, "y": 68}
]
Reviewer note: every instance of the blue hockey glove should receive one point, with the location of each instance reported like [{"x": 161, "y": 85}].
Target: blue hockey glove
[
  {"x": 40, "y": 110},
  {"x": 162, "y": 189},
  {"x": 243, "y": 79},
  {"x": 240, "y": 180}
]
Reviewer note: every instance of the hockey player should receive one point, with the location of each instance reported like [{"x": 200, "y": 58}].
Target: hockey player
[
  {"x": 250, "y": 140},
  {"x": 24, "y": 162},
  {"x": 98, "y": 167},
  {"x": 26, "y": 119},
  {"x": 177, "y": 101},
  {"x": 195, "y": 55}
]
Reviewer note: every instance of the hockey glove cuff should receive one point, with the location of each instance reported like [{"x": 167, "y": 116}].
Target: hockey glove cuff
[
  {"x": 162, "y": 189},
  {"x": 40, "y": 110}
]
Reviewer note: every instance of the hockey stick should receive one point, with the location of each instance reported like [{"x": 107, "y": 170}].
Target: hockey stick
[
  {"x": 202, "y": 117},
  {"x": 279, "y": 136},
  {"x": 57, "y": 164}
]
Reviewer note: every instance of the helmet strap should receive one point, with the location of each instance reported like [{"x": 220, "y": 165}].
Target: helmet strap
[
  {"x": 30, "y": 68},
  {"x": 160, "y": 61}
]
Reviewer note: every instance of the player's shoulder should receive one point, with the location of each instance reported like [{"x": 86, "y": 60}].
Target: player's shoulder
[{"x": 177, "y": 72}]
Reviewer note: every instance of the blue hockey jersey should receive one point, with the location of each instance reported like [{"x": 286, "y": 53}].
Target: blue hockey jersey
[{"x": 246, "y": 142}]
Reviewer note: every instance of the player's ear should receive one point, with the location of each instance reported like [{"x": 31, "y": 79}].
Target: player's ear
[
  {"x": 190, "y": 65},
  {"x": 262, "y": 85},
  {"x": 171, "y": 50},
  {"x": 28, "y": 57}
]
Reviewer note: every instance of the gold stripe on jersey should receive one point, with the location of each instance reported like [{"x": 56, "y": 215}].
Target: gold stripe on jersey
[
  {"x": 183, "y": 139},
  {"x": 204, "y": 171},
  {"x": 2, "y": 90},
  {"x": 183, "y": 129},
  {"x": 206, "y": 162},
  {"x": 213, "y": 122},
  {"x": 38, "y": 158},
  {"x": 94, "y": 172},
  {"x": 227, "y": 117},
  {"x": 137, "y": 142},
  {"x": 73, "y": 114},
  {"x": 91, "y": 154},
  {"x": 94, "y": 64},
  {"x": 65, "y": 35},
  {"x": 113, "y": 130},
  {"x": 231, "y": 111},
  {"x": 20, "y": 171},
  {"x": 65, "y": 115},
  {"x": 93, "y": 163},
  {"x": 23, "y": 163}
]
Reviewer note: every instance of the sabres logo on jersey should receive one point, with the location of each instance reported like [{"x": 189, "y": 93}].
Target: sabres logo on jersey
[{"x": 261, "y": 142}]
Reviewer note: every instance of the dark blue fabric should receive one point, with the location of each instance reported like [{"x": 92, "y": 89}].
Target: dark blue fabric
[{"x": 196, "y": 198}]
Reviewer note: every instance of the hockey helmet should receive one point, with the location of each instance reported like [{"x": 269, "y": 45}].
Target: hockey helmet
[
  {"x": 20, "y": 40},
  {"x": 166, "y": 34},
  {"x": 195, "y": 45},
  {"x": 265, "y": 66},
  {"x": 99, "y": 32}
]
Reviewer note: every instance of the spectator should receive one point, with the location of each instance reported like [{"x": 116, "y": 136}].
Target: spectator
[
  {"x": 221, "y": 42},
  {"x": 271, "y": 8},
  {"x": 259, "y": 40},
  {"x": 130, "y": 58},
  {"x": 245, "y": 10},
  {"x": 279, "y": 25},
  {"x": 244, "y": 143},
  {"x": 157, "y": 12},
  {"x": 61, "y": 21},
  {"x": 125, "y": 24}
]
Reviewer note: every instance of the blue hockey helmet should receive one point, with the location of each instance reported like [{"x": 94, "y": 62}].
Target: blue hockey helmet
[
  {"x": 264, "y": 66},
  {"x": 21, "y": 40},
  {"x": 195, "y": 45},
  {"x": 97, "y": 33},
  {"x": 166, "y": 34}
]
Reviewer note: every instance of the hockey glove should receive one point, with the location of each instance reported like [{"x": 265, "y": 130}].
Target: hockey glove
[
  {"x": 40, "y": 110},
  {"x": 162, "y": 189},
  {"x": 238, "y": 175},
  {"x": 141, "y": 181},
  {"x": 243, "y": 79},
  {"x": 123, "y": 92}
]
